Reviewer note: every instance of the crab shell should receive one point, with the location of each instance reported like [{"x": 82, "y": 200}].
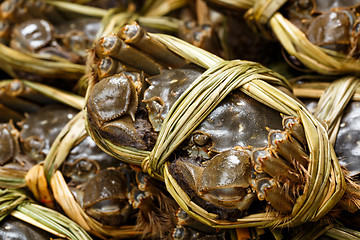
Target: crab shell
[
  {"x": 347, "y": 145},
  {"x": 112, "y": 107}
]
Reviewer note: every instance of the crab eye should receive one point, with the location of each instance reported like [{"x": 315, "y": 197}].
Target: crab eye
[{"x": 201, "y": 139}]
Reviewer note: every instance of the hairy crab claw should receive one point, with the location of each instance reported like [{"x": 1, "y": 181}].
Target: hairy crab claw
[{"x": 105, "y": 197}]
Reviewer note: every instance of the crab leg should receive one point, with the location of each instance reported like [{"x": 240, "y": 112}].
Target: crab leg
[
  {"x": 264, "y": 160},
  {"x": 136, "y": 36},
  {"x": 108, "y": 67},
  {"x": 269, "y": 189},
  {"x": 294, "y": 126},
  {"x": 114, "y": 47},
  {"x": 288, "y": 147}
]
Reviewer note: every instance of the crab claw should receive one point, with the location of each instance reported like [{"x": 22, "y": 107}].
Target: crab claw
[
  {"x": 113, "y": 97},
  {"x": 7, "y": 150},
  {"x": 111, "y": 107},
  {"x": 223, "y": 180},
  {"x": 105, "y": 197}
]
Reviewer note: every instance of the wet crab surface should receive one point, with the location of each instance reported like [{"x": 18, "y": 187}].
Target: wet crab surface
[{"x": 241, "y": 152}]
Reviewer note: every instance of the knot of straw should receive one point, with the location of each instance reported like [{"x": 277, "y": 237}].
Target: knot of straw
[
  {"x": 37, "y": 183},
  {"x": 259, "y": 15}
]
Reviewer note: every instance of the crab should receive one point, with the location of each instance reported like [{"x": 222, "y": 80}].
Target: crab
[
  {"x": 347, "y": 141},
  {"x": 44, "y": 38},
  {"x": 38, "y": 30},
  {"x": 121, "y": 195},
  {"x": 28, "y": 143},
  {"x": 242, "y": 151},
  {"x": 329, "y": 24},
  {"x": 239, "y": 162}
]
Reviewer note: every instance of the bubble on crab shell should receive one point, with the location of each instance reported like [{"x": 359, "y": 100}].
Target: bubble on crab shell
[
  {"x": 105, "y": 197},
  {"x": 113, "y": 97}
]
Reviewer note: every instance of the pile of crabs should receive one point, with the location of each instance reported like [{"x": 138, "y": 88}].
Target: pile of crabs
[{"x": 242, "y": 158}]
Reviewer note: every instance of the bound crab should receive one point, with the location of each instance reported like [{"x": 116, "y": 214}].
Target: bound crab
[{"x": 240, "y": 151}]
